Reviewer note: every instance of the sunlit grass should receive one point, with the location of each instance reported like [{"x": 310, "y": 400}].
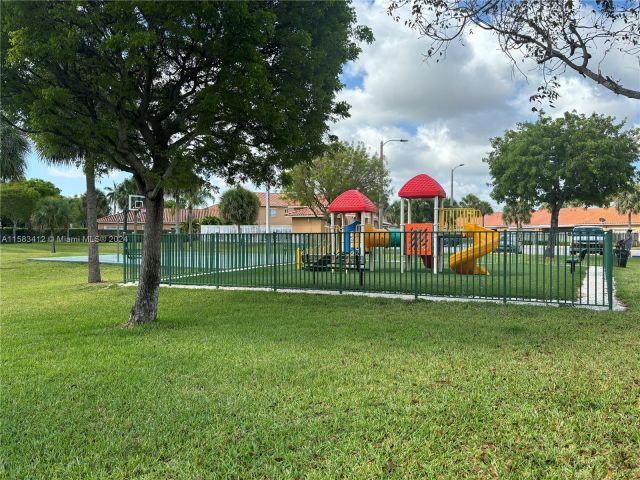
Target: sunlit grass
[{"x": 272, "y": 385}]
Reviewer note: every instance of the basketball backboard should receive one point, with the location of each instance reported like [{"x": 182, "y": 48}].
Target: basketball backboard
[{"x": 136, "y": 202}]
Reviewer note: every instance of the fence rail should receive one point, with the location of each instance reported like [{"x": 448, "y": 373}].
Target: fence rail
[
  {"x": 505, "y": 266},
  {"x": 209, "y": 229}
]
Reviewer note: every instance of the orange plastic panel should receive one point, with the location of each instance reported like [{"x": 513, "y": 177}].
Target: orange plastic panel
[{"x": 418, "y": 241}]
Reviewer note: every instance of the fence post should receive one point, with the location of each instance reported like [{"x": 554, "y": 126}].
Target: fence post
[
  {"x": 273, "y": 259},
  {"x": 124, "y": 256},
  {"x": 415, "y": 266},
  {"x": 608, "y": 266},
  {"x": 169, "y": 253},
  {"x": 217, "y": 260},
  {"x": 504, "y": 267}
]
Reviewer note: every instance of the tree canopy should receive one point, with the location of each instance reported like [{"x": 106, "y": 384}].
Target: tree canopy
[
  {"x": 17, "y": 202},
  {"x": 573, "y": 158},
  {"x": 239, "y": 206},
  {"x": 341, "y": 167},
  {"x": 44, "y": 188},
  {"x": 556, "y": 35},
  {"x": 238, "y": 90}
]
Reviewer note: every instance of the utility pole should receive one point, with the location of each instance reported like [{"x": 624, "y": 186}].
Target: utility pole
[{"x": 451, "y": 191}]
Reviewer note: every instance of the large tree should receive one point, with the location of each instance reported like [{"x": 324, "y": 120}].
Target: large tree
[
  {"x": 573, "y": 158},
  {"x": 234, "y": 89},
  {"x": 239, "y": 206},
  {"x": 556, "y": 35},
  {"x": 341, "y": 167},
  {"x": 17, "y": 202}
]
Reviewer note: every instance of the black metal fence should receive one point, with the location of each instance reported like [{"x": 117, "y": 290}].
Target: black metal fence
[{"x": 507, "y": 266}]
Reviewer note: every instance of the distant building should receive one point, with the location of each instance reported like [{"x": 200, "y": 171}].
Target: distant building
[
  {"x": 307, "y": 220},
  {"x": 136, "y": 220},
  {"x": 279, "y": 203},
  {"x": 607, "y": 218}
]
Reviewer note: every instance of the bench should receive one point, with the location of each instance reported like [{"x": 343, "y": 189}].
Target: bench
[{"x": 573, "y": 261}]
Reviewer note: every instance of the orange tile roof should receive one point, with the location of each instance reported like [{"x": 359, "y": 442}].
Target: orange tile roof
[
  {"x": 304, "y": 212},
  {"x": 570, "y": 217},
  {"x": 168, "y": 216},
  {"x": 276, "y": 200}
]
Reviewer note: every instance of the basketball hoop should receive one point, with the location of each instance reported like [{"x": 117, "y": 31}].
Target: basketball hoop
[{"x": 136, "y": 202}]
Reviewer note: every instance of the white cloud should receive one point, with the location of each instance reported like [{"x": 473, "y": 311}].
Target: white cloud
[
  {"x": 450, "y": 110},
  {"x": 65, "y": 172}
]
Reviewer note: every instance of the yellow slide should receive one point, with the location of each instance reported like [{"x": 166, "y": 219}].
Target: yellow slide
[{"x": 485, "y": 241}]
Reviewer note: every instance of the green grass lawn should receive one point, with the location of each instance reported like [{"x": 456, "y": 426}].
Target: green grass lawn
[{"x": 236, "y": 384}]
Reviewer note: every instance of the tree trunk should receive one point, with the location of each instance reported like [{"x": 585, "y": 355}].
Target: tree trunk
[
  {"x": 53, "y": 242},
  {"x": 145, "y": 306},
  {"x": 190, "y": 218},
  {"x": 92, "y": 224},
  {"x": 628, "y": 220},
  {"x": 553, "y": 232},
  {"x": 15, "y": 227}
]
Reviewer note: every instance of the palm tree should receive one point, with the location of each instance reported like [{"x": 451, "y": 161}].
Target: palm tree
[
  {"x": 517, "y": 213},
  {"x": 13, "y": 150},
  {"x": 114, "y": 195},
  {"x": 51, "y": 214},
  {"x": 629, "y": 202},
  {"x": 194, "y": 197},
  {"x": 92, "y": 166}
]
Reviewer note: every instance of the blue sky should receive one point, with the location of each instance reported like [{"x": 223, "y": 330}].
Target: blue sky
[{"x": 69, "y": 180}]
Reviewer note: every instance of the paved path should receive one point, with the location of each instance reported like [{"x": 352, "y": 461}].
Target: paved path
[{"x": 594, "y": 291}]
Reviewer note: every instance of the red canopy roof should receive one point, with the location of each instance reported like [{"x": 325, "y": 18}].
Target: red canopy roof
[
  {"x": 352, "y": 201},
  {"x": 422, "y": 186}
]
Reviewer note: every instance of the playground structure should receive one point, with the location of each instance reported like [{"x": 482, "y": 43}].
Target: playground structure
[
  {"x": 358, "y": 256},
  {"x": 354, "y": 245}
]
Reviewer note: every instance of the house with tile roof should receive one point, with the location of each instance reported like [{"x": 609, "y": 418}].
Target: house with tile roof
[
  {"x": 608, "y": 218},
  {"x": 279, "y": 203},
  {"x": 307, "y": 220}
]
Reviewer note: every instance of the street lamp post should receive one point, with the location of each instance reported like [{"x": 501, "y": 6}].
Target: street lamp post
[
  {"x": 451, "y": 191},
  {"x": 382, "y": 144}
]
